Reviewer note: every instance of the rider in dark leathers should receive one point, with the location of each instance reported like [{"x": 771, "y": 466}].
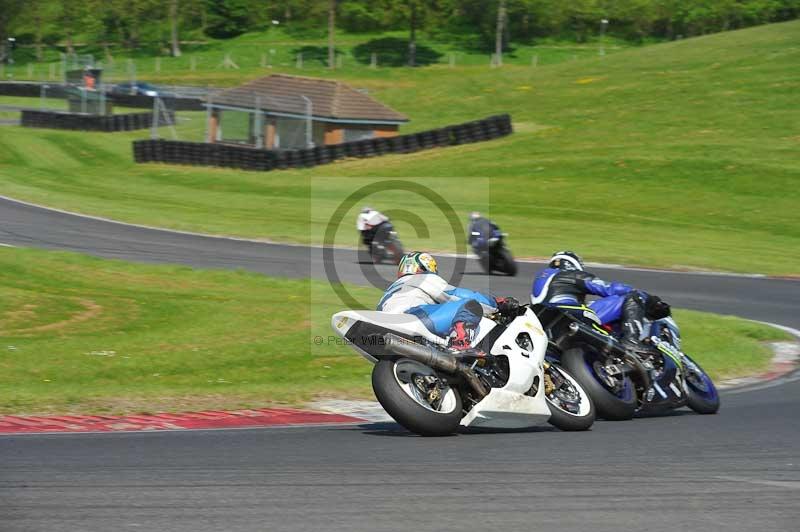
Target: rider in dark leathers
[
  {"x": 479, "y": 227},
  {"x": 564, "y": 284}
]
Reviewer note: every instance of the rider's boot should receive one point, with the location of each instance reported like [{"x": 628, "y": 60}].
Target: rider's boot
[
  {"x": 633, "y": 326},
  {"x": 461, "y": 336}
]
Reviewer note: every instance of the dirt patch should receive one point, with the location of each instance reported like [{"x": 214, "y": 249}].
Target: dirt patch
[{"x": 90, "y": 311}]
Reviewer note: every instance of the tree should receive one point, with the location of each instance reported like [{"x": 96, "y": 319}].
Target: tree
[
  {"x": 72, "y": 13},
  {"x": 498, "y": 40},
  {"x": 35, "y": 6},
  {"x": 9, "y": 10},
  {"x": 416, "y": 11},
  {"x": 331, "y": 30},
  {"x": 227, "y": 18},
  {"x": 173, "y": 23},
  {"x": 105, "y": 22}
]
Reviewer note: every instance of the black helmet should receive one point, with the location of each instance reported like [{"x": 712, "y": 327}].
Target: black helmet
[{"x": 566, "y": 260}]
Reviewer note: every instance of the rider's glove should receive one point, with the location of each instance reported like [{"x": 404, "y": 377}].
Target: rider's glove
[
  {"x": 655, "y": 308},
  {"x": 507, "y": 306}
]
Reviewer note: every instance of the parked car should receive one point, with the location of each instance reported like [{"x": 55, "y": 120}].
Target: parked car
[{"x": 140, "y": 88}]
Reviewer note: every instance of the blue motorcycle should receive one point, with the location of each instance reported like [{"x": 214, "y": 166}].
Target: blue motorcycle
[
  {"x": 488, "y": 243},
  {"x": 658, "y": 378}
]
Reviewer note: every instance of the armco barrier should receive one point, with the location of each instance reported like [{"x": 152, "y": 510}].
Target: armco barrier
[
  {"x": 146, "y": 102},
  {"x": 85, "y": 122},
  {"x": 57, "y": 90},
  {"x": 32, "y": 90},
  {"x": 249, "y": 158}
]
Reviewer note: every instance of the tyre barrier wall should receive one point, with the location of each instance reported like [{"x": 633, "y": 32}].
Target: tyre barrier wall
[
  {"x": 19, "y": 88},
  {"x": 249, "y": 158},
  {"x": 85, "y": 122}
]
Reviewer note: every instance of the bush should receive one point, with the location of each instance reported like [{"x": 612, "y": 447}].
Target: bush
[
  {"x": 227, "y": 18},
  {"x": 357, "y": 17}
]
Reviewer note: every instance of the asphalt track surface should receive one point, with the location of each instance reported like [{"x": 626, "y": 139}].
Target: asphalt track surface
[{"x": 738, "y": 470}]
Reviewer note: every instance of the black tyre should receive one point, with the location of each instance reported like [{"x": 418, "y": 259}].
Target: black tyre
[
  {"x": 571, "y": 408},
  {"x": 396, "y": 247},
  {"x": 616, "y": 404},
  {"x": 486, "y": 262},
  {"x": 702, "y": 394},
  {"x": 377, "y": 254},
  {"x": 506, "y": 263},
  {"x": 393, "y": 382}
]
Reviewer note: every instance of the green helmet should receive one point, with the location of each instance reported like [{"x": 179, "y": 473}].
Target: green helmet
[{"x": 416, "y": 262}]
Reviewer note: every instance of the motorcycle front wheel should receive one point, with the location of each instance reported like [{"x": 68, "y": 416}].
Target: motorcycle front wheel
[
  {"x": 396, "y": 250},
  {"x": 570, "y": 406},
  {"x": 417, "y": 397},
  {"x": 614, "y": 396},
  {"x": 702, "y": 394}
]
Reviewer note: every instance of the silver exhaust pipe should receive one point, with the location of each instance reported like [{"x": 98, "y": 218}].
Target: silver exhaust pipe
[
  {"x": 424, "y": 354},
  {"x": 433, "y": 358}
]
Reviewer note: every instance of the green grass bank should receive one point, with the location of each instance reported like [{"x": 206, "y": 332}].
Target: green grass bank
[
  {"x": 679, "y": 155},
  {"x": 86, "y": 335}
]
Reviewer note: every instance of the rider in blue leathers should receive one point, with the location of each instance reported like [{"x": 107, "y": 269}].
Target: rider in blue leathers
[
  {"x": 565, "y": 284},
  {"x": 447, "y": 311}
]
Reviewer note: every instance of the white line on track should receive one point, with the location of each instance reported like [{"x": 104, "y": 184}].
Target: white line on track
[
  {"x": 319, "y": 246},
  {"x": 789, "y": 484}
]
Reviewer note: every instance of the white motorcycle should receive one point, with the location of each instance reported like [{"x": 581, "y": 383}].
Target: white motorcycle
[{"x": 431, "y": 390}]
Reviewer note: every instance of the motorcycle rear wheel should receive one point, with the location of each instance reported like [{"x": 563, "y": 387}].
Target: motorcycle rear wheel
[
  {"x": 393, "y": 382},
  {"x": 613, "y": 407},
  {"x": 377, "y": 254},
  {"x": 505, "y": 263}
]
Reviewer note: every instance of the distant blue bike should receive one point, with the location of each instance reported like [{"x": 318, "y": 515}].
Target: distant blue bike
[
  {"x": 488, "y": 243},
  {"x": 658, "y": 378}
]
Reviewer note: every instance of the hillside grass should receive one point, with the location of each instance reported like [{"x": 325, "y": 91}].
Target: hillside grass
[
  {"x": 87, "y": 335},
  {"x": 679, "y": 155}
]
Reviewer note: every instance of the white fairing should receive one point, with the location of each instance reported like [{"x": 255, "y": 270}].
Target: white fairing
[
  {"x": 509, "y": 407},
  {"x": 342, "y": 322},
  {"x": 506, "y": 407}
]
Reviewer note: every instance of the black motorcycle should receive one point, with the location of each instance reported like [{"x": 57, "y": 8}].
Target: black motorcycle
[
  {"x": 659, "y": 377},
  {"x": 385, "y": 245},
  {"x": 488, "y": 243}
]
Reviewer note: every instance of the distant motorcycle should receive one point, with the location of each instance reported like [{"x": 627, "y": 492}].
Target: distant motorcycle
[
  {"x": 488, "y": 243},
  {"x": 385, "y": 245},
  {"x": 431, "y": 390},
  {"x": 660, "y": 377}
]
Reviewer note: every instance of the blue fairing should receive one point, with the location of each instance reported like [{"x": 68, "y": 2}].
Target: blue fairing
[
  {"x": 608, "y": 309},
  {"x": 669, "y": 323},
  {"x": 541, "y": 282}
]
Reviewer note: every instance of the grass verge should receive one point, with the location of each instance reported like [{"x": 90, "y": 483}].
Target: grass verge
[
  {"x": 678, "y": 155},
  {"x": 86, "y": 335}
]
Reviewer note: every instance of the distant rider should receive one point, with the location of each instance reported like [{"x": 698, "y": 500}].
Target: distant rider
[
  {"x": 370, "y": 222},
  {"x": 480, "y": 228},
  {"x": 447, "y": 311},
  {"x": 565, "y": 284}
]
